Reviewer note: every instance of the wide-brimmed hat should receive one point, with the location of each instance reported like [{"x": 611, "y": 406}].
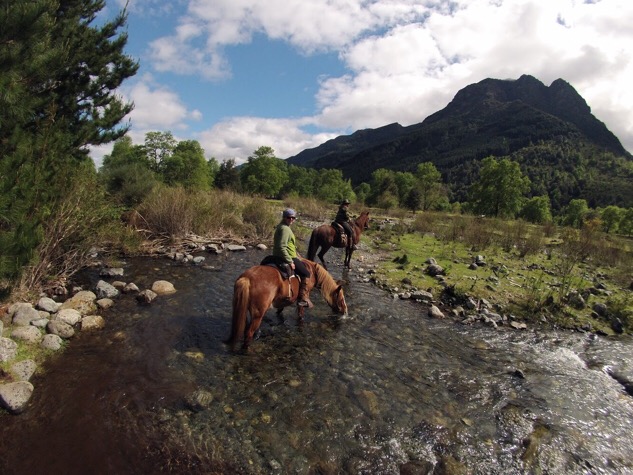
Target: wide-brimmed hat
[{"x": 345, "y": 202}]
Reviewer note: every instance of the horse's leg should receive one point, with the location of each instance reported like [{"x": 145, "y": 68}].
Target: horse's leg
[
  {"x": 256, "y": 320},
  {"x": 324, "y": 249},
  {"x": 348, "y": 257}
]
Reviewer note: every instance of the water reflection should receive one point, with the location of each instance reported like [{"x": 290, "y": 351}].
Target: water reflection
[{"x": 384, "y": 391}]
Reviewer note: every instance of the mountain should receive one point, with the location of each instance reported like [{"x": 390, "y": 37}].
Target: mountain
[{"x": 550, "y": 131}]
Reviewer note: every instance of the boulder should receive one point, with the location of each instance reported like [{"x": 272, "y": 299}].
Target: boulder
[
  {"x": 163, "y": 287},
  {"x": 83, "y": 301},
  {"x": 28, "y": 334},
  {"x": 111, "y": 272},
  {"x": 236, "y": 247},
  {"x": 61, "y": 329},
  {"x": 15, "y": 396},
  {"x": 146, "y": 296},
  {"x": 105, "y": 290},
  {"x": 51, "y": 342},
  {"x": 68, "y": 315},
  {"x": 48, "y": 305},
  {"x": 24, "y": 315},
  {"x": 92, "y": 322},
  {"x": 435, "y": 312},
  {"x": 23, "y": 370},
  {"x": 8, "y": 349}
]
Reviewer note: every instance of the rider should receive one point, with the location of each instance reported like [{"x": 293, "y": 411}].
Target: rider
[
  {"x": 343, "y": 218},
  {"x": 285, "y": 248}
]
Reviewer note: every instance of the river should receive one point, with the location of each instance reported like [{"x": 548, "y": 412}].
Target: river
[{"x": 386, "y": 391}]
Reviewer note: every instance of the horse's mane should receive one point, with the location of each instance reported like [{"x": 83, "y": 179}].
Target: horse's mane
[
  {"x": 325, "y": 282},
  {"x": 362, "y": 219}
]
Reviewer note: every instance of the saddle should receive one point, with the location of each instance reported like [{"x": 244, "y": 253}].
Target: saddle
[
  {"x": 286, "y": 273},
  {"x": 278, "y": 263},
  {"x": 341, "y": 235}
]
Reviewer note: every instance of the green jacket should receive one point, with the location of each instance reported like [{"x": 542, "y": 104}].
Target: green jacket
[{"x": 284, "y": 245}]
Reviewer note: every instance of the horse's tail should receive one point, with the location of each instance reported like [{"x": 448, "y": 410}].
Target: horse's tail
[
  {"x": 313, "y": 246},
  {"x": 241, "y": 293}
]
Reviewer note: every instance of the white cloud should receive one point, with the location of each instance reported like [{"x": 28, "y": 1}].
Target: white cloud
[
  {"x": 239, "y": 137},
  {"x": 405, "y": 60}
]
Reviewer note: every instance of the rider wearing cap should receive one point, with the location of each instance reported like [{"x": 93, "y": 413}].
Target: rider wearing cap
[
  {"x": 284, "y": 247},
  {"x": 343, "y": 218}
]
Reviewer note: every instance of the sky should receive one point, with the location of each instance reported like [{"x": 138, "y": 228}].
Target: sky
[{"x": 236, "y": 75}]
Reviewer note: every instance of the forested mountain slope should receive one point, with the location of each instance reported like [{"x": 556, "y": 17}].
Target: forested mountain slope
[{"x": 550, "y": 130}]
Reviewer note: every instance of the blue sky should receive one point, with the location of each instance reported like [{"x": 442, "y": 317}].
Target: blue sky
[{"x": 291, "y": 74}]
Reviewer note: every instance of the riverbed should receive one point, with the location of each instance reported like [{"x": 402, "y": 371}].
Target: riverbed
[{"x": 385, "y": 391}]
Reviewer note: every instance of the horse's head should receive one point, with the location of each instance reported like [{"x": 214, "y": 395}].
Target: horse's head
[
  {"x": 338, "y": 302},
  {"x": 363, "y": 220}
]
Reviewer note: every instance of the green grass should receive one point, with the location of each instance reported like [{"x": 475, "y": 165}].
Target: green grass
[{"x": 531, "y": 285}]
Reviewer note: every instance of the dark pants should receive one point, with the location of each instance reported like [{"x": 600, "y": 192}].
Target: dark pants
[
  {"x": 300, "y": 269},
  {"x": 348, "y": 230}
]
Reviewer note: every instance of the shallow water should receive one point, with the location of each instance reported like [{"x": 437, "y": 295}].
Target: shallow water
[{"x": 385, "y": 391}]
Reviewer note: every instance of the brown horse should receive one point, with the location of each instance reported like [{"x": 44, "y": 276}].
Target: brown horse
[
  {"x": 261, "y": 287},
  {"x": 325, "y": 237}
]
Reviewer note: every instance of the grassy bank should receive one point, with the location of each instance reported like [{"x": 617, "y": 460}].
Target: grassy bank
[{"x": 533, "y": 272}]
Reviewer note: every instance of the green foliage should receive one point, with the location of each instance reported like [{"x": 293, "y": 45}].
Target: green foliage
[
  {"x": 362, "y": 192},
  {"x": 58, "y": 77},
  {"x": 264, "y": 174},
  {"x": 537, "y": 210},
  {"x": 228, "y": 176},
  {"x": 500, "y": 189},
  {"x": 158, "y": 147},
  {"x": 429, "y": 185},
  {"x": 187, "y": 167},
  {"x": 575, "y": 213},
  {"x": 611, "y": 217}
]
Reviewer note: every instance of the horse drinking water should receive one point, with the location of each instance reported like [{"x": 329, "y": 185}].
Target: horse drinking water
[
  {"x": 324, "y": 237},
  {"x": 262, "y": 286}
]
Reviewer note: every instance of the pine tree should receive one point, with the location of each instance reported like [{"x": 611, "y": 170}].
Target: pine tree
[{"x": 58, "y": 76}]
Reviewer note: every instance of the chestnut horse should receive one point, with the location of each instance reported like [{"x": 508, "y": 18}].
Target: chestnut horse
[
  {"x": 261, "y": 287},
  {"x": 325, "y": 237}
]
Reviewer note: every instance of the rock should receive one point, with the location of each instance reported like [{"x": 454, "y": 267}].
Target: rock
[
  {"x": 600, "y": 308},
  {"x": 131, "y": 287},
  {"x": 105, "y": 290},
  {"x": 68, "y": 315},
  {"x": 236, "y": 247},
  {"x": 28, "y": 334},
  {"x": 83, "y": 301},
  {"x": 118, "y": 284},
  {"x": 8, "y": 349},
  {"x": 480, "y": 261},
  {"x": 92, "y": 322},
  {"x": 146, "y": 296},
  {"x": 435, "y": 312},
  {"x": 51, "y": 342},
  {"x": 518, "y": 325},
  {"x": 23, "y": 370},
  {"x": 57, "y": 327},
  {"x": 111, "y": 272},
  {"x": 473, "y": 266},
  {"x": 434, "y": 270},
  {"x": 422, "y": 295},
  {"x": 199, "y": 400},
  {"x": 163, "y": 287},
  {"x": 198, "y": 260},
  {"x": 214, "y": 248},
  {"x": 15, "y": 396},
  {"x": 575, "y": 300},
  {"x": 24, "y": 315},
  {"x": 48, "y": 305},
  {"x": 262, "y": 247},
  {"x": 105, "y": 303},
  {"x": 40, "y": 323}
]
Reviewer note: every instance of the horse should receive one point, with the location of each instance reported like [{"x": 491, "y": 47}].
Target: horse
[
  {"x": 262, "y": 286},
  {"x": 325, "y": 237}
]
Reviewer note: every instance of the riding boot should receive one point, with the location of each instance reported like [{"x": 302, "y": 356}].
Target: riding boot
[{"x": 302, "y": 299}]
